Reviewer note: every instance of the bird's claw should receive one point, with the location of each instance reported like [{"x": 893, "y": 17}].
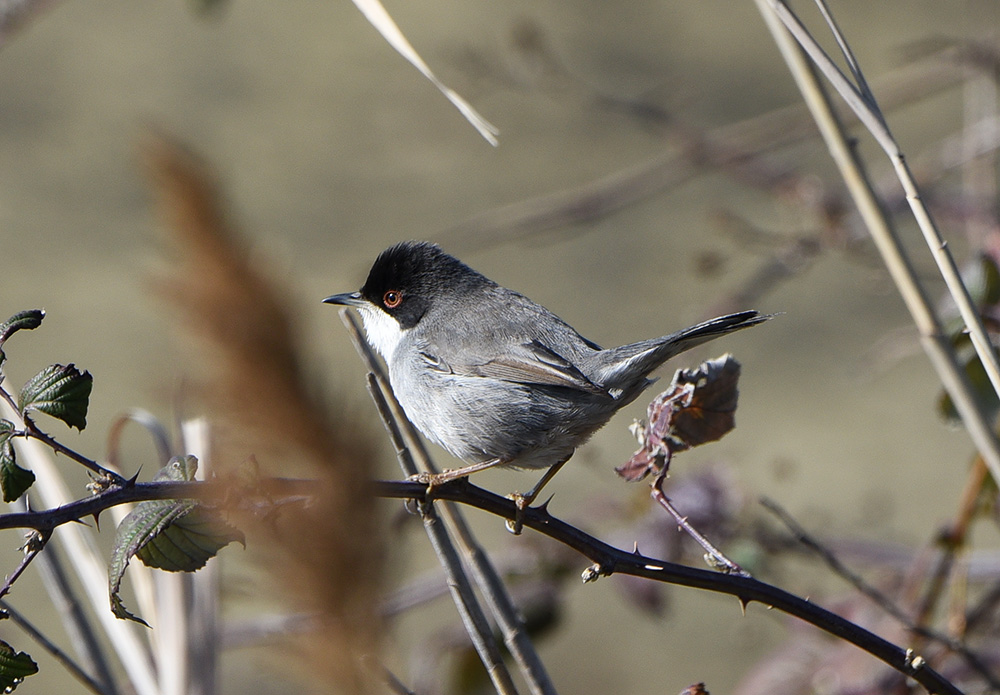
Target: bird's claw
[
  {"x": 431, "y": 480},
  {"x": 520, "y": 504}
]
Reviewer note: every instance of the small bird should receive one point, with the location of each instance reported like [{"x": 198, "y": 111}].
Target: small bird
[{"x": 493, "y": 377}]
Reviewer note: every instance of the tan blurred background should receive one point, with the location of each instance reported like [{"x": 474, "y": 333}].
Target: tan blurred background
[{"x": 330, "y": 147}]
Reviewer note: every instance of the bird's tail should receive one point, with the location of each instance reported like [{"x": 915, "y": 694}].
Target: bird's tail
[{"x": 628, "y": 365}]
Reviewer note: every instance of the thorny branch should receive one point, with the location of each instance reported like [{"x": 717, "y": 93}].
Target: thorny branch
[
  {"x": 53, "y": 649},
  {"x": 32, "y": 430},
  {"x": 272, "y": 492},
  {"x": 607, "y": 559},
  {"x": 33, "y": 545},
  {"x": 713, "y": 556},
  {"x": 973, "y": 660}
]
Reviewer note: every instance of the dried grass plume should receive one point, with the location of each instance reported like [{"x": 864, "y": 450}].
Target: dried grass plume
[{"x": 326, "y": 556}]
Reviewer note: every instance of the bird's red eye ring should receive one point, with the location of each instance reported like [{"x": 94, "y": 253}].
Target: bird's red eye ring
[{"x": 392, "y": 299}]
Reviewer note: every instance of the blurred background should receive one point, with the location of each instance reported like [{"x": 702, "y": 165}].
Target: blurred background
[{"x": 329, "y": 147}]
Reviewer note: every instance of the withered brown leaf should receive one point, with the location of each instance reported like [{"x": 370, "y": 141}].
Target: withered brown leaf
[{"x": 698, "y": 407}]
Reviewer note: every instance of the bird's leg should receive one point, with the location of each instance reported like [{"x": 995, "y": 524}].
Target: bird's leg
[
  {"x": 522, "y": 502},
  {"x": 433, "y": 480}
]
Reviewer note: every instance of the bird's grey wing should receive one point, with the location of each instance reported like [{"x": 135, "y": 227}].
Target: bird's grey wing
[{"x": 525, "y": 363}]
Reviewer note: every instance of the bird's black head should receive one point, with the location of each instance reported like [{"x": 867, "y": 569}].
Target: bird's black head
[{"x": 407, "y": 278}]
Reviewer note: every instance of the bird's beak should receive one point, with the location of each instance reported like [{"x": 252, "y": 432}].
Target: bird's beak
[{"x": 346, "y": 299}]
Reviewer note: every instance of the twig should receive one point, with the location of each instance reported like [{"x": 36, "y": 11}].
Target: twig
[
  {"x": 485, "y": 574},
  {"x": 473, "y": 617},
  {"x": 78, "y": 627},
  {"x": 852, "y": 62},
  {"x": 732, "y": 145},
  {"x": 608, "y": 560},
  {"x": 240, "y": 633},
  {"x": 53, "y": 649},
  {"x": 30, "y": 429},
  {"x": 954, "y": 537},
  {"x": 198, "y": 644},
  {"x": 274, "y": 491},
  {"x": 714, "y": 556},
  {"x": 881, "y": 600},
  {"x": 149, "y": 422},
  {"x": 34, "y": 544}
]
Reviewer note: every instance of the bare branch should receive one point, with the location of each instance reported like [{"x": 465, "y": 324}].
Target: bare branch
[
  {"x": 58, "y": 654},
  {"x": 494, "y": 591},
  {"x": 34, "y": 544},
  {"x": 973, "y": 660},
  {"x": 609, "y": 560}
]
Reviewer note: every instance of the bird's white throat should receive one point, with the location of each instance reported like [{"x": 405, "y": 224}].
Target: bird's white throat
[{"x": 384, "y": 332}]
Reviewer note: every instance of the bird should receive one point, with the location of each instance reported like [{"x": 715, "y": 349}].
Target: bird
[{"x": 491, "y": 376}]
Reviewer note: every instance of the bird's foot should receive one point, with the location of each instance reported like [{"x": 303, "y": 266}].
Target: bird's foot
[
  {"x": 521, "y": 503},
  {"x": 431, "y": 480}
]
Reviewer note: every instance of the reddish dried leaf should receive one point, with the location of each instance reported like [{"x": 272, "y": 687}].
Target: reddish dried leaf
[
  {"x": 642, "y": 463},
  {"x": 709, "y": 413},
  {"x": 699, "y": 407}
]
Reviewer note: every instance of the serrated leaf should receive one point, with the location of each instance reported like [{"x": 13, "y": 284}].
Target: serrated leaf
[
  {"x": 14, "y": 480},
  {"x": 14, "y": 667},
  {"x": 189, "y": 542},
  {"x": 22, "y": 320},
  {"x": 60, "y": 391},
  {"x": 172, "y": 535},
  {"x": 119, "y": 610}
]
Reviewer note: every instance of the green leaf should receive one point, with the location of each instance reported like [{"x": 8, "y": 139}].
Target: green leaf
[
  {"x": 982, "y": 388},
  {"x": 172, "y": 535},
  {"x": 62, "y": 392},
  {"x": 14, "y": 480},
  {"x": 982, "y": 279},
  {"x": 14, "y": 667},
  {"x": 22, "y": 320}
]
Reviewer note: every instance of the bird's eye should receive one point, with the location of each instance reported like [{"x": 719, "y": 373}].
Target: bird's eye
[{"x": 392, "y": 299}]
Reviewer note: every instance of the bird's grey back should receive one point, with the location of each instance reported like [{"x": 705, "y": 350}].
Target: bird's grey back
[{"x": 485, "y": 323}]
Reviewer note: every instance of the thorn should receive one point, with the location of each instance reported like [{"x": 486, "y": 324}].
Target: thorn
[
  {"x": 544, "y": 506},
  {"x": 130, "y": 482},
  {"x": 635, "y": 548},
  {"x": 743, "y": 605}
]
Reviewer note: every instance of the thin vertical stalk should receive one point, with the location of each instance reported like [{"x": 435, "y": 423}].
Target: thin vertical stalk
[
  {"x": 794, "y": 45},
  {"x": 484, "y": 573},
  {"x": 863, "y": 104}
]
